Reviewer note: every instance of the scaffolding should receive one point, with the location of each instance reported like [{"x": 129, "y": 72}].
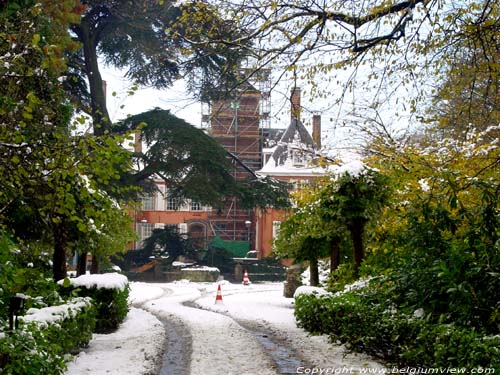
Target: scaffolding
[
  {"x": 261, "y": 83},
  {"x": 237, "y": 123}
]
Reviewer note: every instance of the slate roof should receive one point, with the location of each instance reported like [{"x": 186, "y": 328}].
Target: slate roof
[
  {"x": 294, "y": 136},
  {"x": 297, "y": 133}
]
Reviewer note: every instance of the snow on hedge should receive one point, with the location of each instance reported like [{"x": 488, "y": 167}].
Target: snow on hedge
[
  {"x": 53, "y": 314},
  {"x": 354, "y": 168},
  {"x": 304, "y": 289},
  {"x": 357, "y": 285},
  {"x": 99, "y": 281}
]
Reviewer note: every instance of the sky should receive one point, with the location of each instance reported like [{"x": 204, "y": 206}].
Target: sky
[{"x": 340, "y": 121}]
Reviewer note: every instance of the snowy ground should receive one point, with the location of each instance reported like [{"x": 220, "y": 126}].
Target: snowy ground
[{"x": 222, "y": 338}]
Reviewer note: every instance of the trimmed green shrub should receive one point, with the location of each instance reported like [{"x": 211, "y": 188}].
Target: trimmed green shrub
[
  {"x": 74, "y": 331},
  {"x": 28, "y": 351},
  {"x": 363, "y": 322},
  {"x": 109, "y": 294},
  {"x": 39, "y": 346},
  {"x": 111, "y": 305}
]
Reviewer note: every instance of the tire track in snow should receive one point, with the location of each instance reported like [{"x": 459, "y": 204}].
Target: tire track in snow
[
  {"x": 264, "y": 307},
  {"x": 284, "y": 357},
  {"x": 219, "y": 345}
]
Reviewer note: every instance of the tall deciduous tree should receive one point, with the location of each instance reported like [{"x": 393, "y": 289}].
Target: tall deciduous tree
[
  {"x": 469, "y": 96},
  {"x": 393, "y": 43},
  {"x": 340, "y": 206},
  {"x": 53, "y": 179},
  {"x": 309, "y": 233},
  {"x": 139, "y": 36}
]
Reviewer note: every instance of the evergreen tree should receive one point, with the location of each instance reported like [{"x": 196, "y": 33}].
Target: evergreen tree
[{"x": 137, "y": 36}]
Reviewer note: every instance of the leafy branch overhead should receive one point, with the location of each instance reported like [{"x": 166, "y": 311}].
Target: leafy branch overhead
[
  {"x": 407, "y": 39},
  {"x": 135, "y": 36},
  {"x": 193, "y": 164}
]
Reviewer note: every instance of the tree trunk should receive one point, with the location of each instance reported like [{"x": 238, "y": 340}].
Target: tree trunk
[
  {"x": 82, "y": 264},
  {"x": 59, "y": 270},
  {"x": 357, "y": 229},
  {"x": 100, "y": 115},
  {"x": 313, "y": 272},
  {"x": 334, "y": 255},
  {"x": 94, "y": 266}
]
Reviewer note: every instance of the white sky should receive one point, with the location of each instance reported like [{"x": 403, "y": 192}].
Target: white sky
[{"x": 340, "y": 122}]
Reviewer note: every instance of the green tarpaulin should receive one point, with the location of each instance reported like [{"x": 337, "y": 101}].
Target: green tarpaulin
[{"x": 238, "y": 249}]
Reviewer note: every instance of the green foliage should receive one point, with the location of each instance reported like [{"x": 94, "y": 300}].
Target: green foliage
[
  {"x": 454, "y": 282},
  {"x": 40, "y": 348},
  {"x": 43, "y": 195},
  {"x": 220, "y": 258},
  {"x": 326, "y": 213},
  {"x": 366, "y": 323},
  {"x": 30, "y": 352},
  {"x": 111, "y": 305},
  {"x": 193, "y": 164},
  {"x": 25, "y": 270},
  {"x": 437, "y": 249},
  {"x": 266, "y": 269},
  {"x": 341, "y": 277},
  {"x": 443, "y": 239},
  {"x": 168, "y": 244},
  {"x": 141, "y": 38},
  {"x": 74, "y": 331},
  {"x": 302, "y": 225}
]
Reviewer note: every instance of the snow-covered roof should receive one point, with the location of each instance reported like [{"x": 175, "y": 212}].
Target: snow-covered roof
[
  {"x": 288, "y": 169},
  {"x": 292, "y": 153},
  {"x": 297, "y": 133}
]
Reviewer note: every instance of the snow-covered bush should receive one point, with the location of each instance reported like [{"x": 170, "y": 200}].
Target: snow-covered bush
[
  {"x": 109, "y": 293},
  {"x": 362, "y": 320},
  {"x": 45, "y": 336}
]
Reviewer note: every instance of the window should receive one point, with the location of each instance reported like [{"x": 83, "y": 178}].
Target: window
[
  {"x": 148, "y": 202},
  {"x": 172, "y": 203},
  {"x": 145, "y": 230},
  {"x": 196, "y": 206},
  {"x": 298, "y": 158},
  {"x": 172, "y": 227}
]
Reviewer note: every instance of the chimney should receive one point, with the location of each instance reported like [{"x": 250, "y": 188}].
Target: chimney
[
  {"x": 316, "y": 131},
  {"x": 295, "y": 103}
]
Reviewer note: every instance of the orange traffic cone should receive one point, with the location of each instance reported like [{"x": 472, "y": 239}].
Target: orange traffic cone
[
  {"x": 246, "y": 280},
  {"x": 218, "y": 298}
]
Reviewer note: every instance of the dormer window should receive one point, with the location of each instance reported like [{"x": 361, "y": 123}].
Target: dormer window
[{"x": 298, "y": 158}]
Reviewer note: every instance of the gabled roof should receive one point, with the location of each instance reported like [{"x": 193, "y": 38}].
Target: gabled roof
[
  {"x": 297, "y": 133},
  {"x": 295, "y": 136},
  {"x": 294, "y": 139}
]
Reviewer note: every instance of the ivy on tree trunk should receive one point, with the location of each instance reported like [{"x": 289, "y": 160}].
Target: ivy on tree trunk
[
  {"x": 357, "y": 228},
  {"x": 334, "y": 254}
]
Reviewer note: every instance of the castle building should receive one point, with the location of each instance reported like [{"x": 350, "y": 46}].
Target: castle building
[{"x": 241, "y": 125}]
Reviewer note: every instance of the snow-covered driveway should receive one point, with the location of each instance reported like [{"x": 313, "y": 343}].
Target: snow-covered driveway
[
  {"x": 251, "y": 332},
  {"x": 223, "y": 336}
]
